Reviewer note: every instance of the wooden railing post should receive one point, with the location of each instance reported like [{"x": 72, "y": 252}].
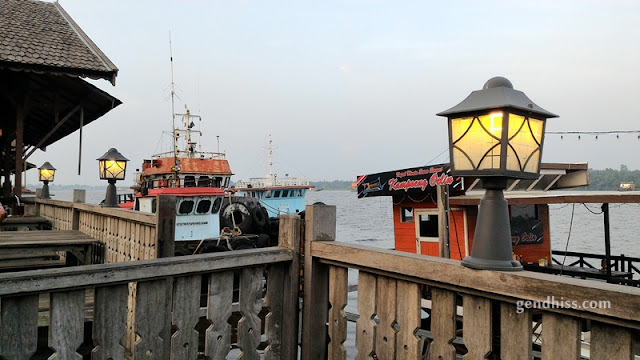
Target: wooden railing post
[
  {"x": 320, "y": 225},
  {"x": 289, "y": 237},
  {"x": 79, "y": 196},
  {"x": 166, "y": 228}
]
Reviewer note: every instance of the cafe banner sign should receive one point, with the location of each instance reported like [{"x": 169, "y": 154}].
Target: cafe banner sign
[{"x": 413, "y": 181}]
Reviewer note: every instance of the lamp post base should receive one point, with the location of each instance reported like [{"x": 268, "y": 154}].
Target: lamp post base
[
  {"x": 111, "y": 198},
  {"x": 492, "y": 248},
  {"x": 45, "y": 190}
]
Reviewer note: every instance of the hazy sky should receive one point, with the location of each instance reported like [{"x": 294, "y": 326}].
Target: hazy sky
[{"x": 352, "y": 87}]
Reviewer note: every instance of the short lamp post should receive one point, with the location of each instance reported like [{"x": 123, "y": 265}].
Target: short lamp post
[
  {"x": 112, "y": 167},
  {"x": 495, "y": 134},
  {"x": 46, "y": 174}
]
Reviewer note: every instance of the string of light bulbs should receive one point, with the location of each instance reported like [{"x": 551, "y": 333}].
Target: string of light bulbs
[{"x": 617, "y": 133}]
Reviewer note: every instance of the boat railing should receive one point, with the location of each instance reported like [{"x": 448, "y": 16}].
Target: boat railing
[
  {"x": 196, "y": 155},
  {"x": 619, "y": 263},
  {"x": 410, "y": 306}
]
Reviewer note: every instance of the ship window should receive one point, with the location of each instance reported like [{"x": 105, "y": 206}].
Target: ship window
[
  {"x": 203, "y": 206},
  {"x": 203, "y": 181},
  {"x": 276, "y": 194},
  {"x": 253, "y": 193},
  {"x": 186, "y": 206},
  {"x": 268, "y": 195},
  {"x": 428, "y": 225},
  {"x": 189, "y": 181},
  {"x": 154, "y": 205},
  {"x": 524, "y": 212},
  {"x": 216, "y": 182},
  {"x": 226, "y": 182},
  {"x": 406, "y": 214},
  {"x": 216, "y": 205}
]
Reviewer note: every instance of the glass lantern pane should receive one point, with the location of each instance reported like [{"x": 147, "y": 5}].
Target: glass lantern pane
[
  {"x": 112, "y": 169},
  {"x": 46, "y": 174},
  {"x": 476, "y": 142},
  {"x": 524, "y": 139}
]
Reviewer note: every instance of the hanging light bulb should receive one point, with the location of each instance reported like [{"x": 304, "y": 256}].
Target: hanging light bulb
[
  {"x": 617, "y": 136},
  {"x": 561, "y": 137},
  {"x": 578, "y": 137},
  {"x": 596, "y": 137}
]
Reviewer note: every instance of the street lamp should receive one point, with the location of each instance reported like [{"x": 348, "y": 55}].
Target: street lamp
[
  {"x": 112, "y": 167},
  {"x": 496, "y": 133},
  {"x": 46, "y": 174}
]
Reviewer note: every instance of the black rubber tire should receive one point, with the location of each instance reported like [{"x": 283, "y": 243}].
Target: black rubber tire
[
  {"x": 242, "y": 243},
  {"x": 243, "y": 217},
  {"x": 260, "y": 219}
]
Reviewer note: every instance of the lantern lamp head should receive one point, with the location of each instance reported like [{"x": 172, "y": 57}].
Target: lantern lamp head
[
  {"x": 496, "y": 132},
  {"x": 112, "y": 165},
  {"x": 46, "y": 172}
]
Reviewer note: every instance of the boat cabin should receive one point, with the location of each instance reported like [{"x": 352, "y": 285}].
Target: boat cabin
[{"x": 435, "y": 213}]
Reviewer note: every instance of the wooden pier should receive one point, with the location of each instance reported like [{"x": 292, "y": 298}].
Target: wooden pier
[{"x": 245, "y": 303}]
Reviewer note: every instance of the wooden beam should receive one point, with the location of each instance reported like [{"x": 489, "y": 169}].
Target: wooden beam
[{"x": 53, "y": 131}]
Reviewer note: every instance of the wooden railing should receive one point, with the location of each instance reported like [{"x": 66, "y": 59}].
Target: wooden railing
[
  {"x": 620, "y": 263},
  {"x": 127, "y": 235},
  {"x": 185, "y": 307},
  {"x": 473, "y": 312}
]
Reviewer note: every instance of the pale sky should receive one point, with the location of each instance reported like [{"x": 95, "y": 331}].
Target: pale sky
[{"x": 352, "y": 87}]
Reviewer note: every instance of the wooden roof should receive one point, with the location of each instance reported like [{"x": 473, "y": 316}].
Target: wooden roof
[
  {"x": 40, "y": 36},
  {"x": 555, "y": 197}
]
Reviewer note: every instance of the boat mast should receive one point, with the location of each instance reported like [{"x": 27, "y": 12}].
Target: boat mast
[
  {"x": 271, "y": 175},
  {"x": 175, "y": 167}
]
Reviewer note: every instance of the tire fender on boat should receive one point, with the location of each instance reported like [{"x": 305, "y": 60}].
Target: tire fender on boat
[{"x": 241, "y": 214}]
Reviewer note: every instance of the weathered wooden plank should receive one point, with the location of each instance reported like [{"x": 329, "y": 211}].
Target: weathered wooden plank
[
  {"x": 186, "y": 303},
  {"x": 560, "y": 337},
  {"x": 275, "y": 318},
  {"x": 515, "y": 332},
  {"x": 408, "y": 318},
  {"x": 443, "y": 324},
  {"x": 250, "y": 300},
  {"x": 337, "y": 318},
  {"x": 110, "y": 322},
  {"x": 289, "y": 238},
  {"x": 219, "y": 302},
  {"x": 320, "y": 226},
  {"x": 366, "y": 325},
  {"x": 386, "y": 309},
  {"x": 105, "y": 274},
  {"x": 610, "y": 342},
  {"x": 504, "y": 286},
  {"x": 477, "y": 327},
  {"x": 18, "y": 327},
  {"x": 66, "y": 329},
  {"x": 153, "y": 319}
]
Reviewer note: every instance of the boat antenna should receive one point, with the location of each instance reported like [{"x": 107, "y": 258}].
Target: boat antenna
[
  {"x": 271, "y": 162},
  {"x": 173, "y": 118}
]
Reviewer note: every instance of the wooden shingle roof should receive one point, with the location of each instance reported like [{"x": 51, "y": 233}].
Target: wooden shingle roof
[{"x": 40, "y": 36}]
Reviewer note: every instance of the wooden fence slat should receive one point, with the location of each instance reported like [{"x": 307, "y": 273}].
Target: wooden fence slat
[
  {"x": 18, "y": 327},
  {"x": 110, "y": 322},
  {"x": 186, "y": 303},
  {"x": 274, "y": 319},
  {"x": 386, "y": 309},
  {"x": 250, "y": 300},
  {"x": 289, "y": 238},
  {"x": 610, "y": 342},
  {"x": 443, "y": 324},
  {"x": 153, "y": 319},
  {"x": 219, "y": 302},
  {"x": 477, "y": 327},
  {"x": 560, "y": 337},
  {"x": 365, "y": 325},
  {"x": 66, "y": 329},
  {"x": 338, "y": 284},
  {"x": 515, "y": 332},
  {"x": 408, "y": 318}
]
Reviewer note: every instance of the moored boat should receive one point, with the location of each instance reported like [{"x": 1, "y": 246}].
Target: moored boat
[{"x": 279, "y": 195}]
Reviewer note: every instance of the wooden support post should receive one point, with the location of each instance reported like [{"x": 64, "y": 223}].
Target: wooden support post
[
  {"x": 607, "y": 240},
  {"x": 290, "y": 238},
  {"x": 21, "y": 114},
  {"x": 320, "y": 225},
  {"x": 79, "y": 196},
  {"x": 166, "y": 226},
  {"x": 443, "y": 220}
]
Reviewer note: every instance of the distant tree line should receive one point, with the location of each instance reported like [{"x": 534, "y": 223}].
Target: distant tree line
[
  {"x": 332, "y": 185},
  {"x": 610, "y": 179}
]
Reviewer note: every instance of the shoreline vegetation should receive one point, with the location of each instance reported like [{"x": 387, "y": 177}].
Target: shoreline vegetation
[{"x": 602, "y": 180}]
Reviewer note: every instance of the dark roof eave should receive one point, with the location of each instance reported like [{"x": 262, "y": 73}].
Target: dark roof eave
[{"x": 73, "y": 72}]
